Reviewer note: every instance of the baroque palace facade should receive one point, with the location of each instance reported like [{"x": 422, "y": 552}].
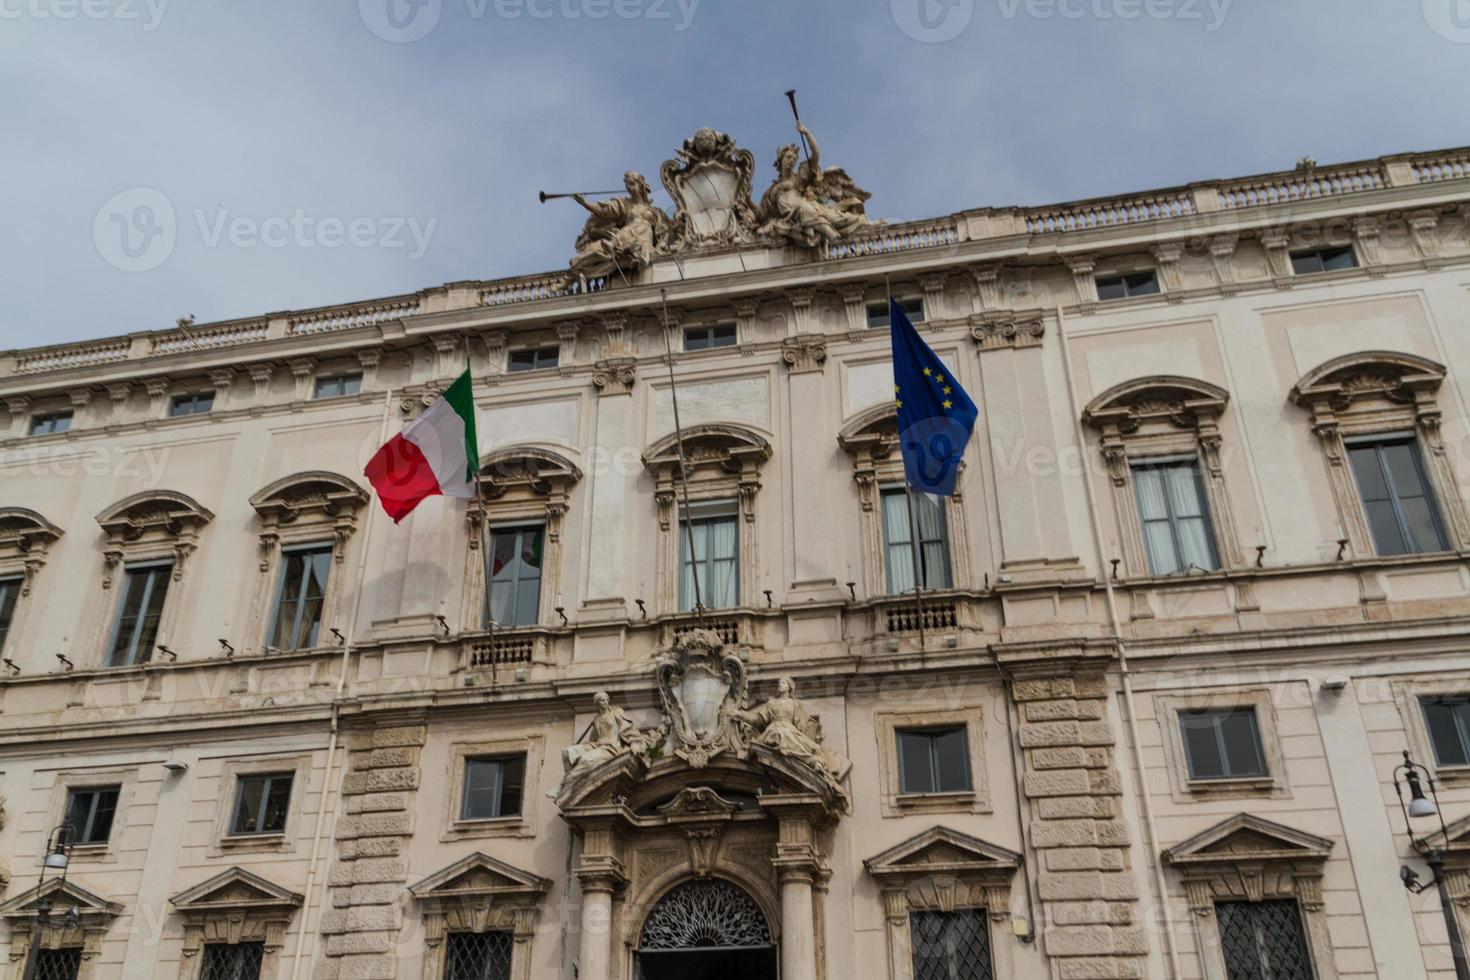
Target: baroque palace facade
[{"x": 1205, "y": 582}]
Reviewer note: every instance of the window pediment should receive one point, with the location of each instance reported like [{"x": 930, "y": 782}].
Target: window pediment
[
  {"x": 22, "y": 530},
  {"x": 235, "y": 890},
  {"x": 1183, "y": 403},
  {"x": 1345, "y": 382},
  {"x": 313, "y": 493},
  {"x": 480, "y": 876},
  {"x": 872, "y": 434},
  {"x": 1249, "y": 839},
  {"x": 724, "y": 445},
  {"x": 161, "y": 512},
  {"x": 63, "y": 896},
  {"x": 479, "y": 894},
  {"x": 527, "y": 470},
  {"x": 941, "y": 851},
  {"x": 78, "y": 918}
]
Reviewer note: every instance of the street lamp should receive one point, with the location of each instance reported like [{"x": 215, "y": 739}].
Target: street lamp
[
  {"x": 58, "y": 856},
  {"x": 1418, "y": 805}
]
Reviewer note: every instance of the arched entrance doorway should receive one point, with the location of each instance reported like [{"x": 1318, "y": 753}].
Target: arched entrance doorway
[{"x": 707, "y": 929}]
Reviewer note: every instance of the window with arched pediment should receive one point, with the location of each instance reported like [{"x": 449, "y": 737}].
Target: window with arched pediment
[
  {"x": 1377, "y": 417},
  {"x": 1160, "y": 438},
  {"x": 306, "y": 522},
  {"x": 25, "y": 541},
  {"x": 525, "y": 492},
  {"x": 151, "y": 537},
  {"x": 870, "y": 439},
  {"x": 724, "y": 462}
]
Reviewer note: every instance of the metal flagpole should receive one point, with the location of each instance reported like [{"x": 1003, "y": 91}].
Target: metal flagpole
[
  {"x": 683, "y": 464},
  {"x": 919, "y": 575}
]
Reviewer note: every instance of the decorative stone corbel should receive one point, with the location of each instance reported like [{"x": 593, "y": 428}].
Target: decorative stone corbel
[
  {"x": 1424, "y": 230},
  {"x": 80, "y": 397},
  {"x": 222, "y": 379},
  {"x": 1167, "y": 256},
  {"x": 1081, "y": 267},
  {"x": 303, "y": 369},
  {"x": 119, "y": 393},
  {"x": 804, "y": 352},
  {"x": 567, "y": 334},
  {"x": 157, "y": 395},
  {"x": 261, "y": 376},
  {"x": 987, "y": 285},
  {"x": 746, "y": 309},
  {"x": 369, "y": 359},
  {"x": 933, "y": 283},
  {"x": 801, "y": 311},
  {"x": 446, "y": 351},
  {"x": 1222, "y": 257},
  {"x": 615, "y": 375},
  {"x": 1276, "y": 242},
  {"x": 495, "y": 342},
  {"x": 854, "y": 296},
  {"x": 1007, "y": 330},
  {"x": 1366, "y": 231},
  {"x": 20, "y": 409},
  {"x": 615, "y": 330}
]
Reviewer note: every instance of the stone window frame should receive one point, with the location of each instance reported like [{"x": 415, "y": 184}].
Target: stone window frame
[
  {"x": 519, "y": 484},
  {"x": 1381, "y": 393},
  {"x": 1281, "y": 863},
  {"x": 522, "y": 825},
  {"x": 125, "y": 778},
  {"x": 151, "y": 526},
  {"x": 982, "y": 882},
  {"x": 895, "y": 802},
  {"x": 870, "y": 439},
  {"x": 25, "y": 545},
  {"x": 1185, "y": 789},
  {"x": 510, "y": 902},
  {"x": 94, "y": 917},
  {"x": 223, "y": 842},
  {"x": 725, "y": 463},
  {"x": 315, "y": 507},
  {"x": 264, "y": 917},
  {"x": 1408, "y": 696},
  {"x": 1155, "y": 417}
]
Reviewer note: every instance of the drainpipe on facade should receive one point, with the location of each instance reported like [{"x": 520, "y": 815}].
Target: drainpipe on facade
[
  {"x": 335, "y": 737},
  {"x": 1141, "y": 777}
]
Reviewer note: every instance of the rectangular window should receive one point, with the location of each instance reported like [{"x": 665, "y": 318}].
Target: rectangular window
[
  {"x": 704, "y": 338},
  {"x": 89, "y": 813},
  {"x": 261, "y": 804},
  {"x": 9, "y": 596},
  {"x": 1306, "y": 262},
  {"x": 1448, "y": 720},
  {"x": 716, "y": 531},
  {"x": 199, "y": 403},
  {"x": 52, "y": 422},
  {"x": 933, "y": 760},
  {"x": 898, "y": 541},
  {"x": 299, "y": 597},
  {"x": 912, "y": 308},
  {"x": 535, "y": 359},
  {"x": 1222, "y": 743},
  {"x": 478, "y": 956},
  {"x": 144, "y": 589},
  {"x": 516, "y": 553},
  {"x": 951, "y": 945},
  {"x": 1263, "y": 940},
  {"x": 338, "y": 385},
  {"x": 223, "y": 961},
  {"x": 1175, "y": 516},
  {"x": 492, "y": 787},
  {"x": 1125, "y": 286},
  {"x": 58, "y": 964},
  {"x": 1397, "y": 500}
]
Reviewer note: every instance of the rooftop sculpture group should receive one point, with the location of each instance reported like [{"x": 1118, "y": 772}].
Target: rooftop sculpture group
[{"x": 709, "y": 180}]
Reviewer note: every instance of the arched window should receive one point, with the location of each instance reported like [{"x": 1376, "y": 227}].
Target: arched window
[
  {"x": 25, "y": 540},
  {"x": 1160, "y": 438},
  {"x": 705, "y": 914},
  {"x": 1377, "y": 416}
]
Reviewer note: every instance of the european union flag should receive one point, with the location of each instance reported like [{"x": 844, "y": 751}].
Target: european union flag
[{"x": 935, "y": 415}]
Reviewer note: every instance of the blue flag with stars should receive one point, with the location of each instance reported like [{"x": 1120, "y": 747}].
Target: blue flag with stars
[{"x": 935, "y": 415}]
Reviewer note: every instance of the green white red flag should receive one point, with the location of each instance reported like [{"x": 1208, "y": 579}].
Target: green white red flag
[{"x": 437, "y": 453}]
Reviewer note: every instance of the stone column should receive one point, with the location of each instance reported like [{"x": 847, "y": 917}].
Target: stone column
[
  {"x": 594, "y": 951},
  {"x": 798, "y": 930}
]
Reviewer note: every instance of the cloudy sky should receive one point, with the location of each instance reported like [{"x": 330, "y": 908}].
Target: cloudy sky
[{"x": 224, "y": 159}]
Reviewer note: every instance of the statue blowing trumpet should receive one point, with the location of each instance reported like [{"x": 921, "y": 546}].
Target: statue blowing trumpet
[{"x": 544, "y": 197}]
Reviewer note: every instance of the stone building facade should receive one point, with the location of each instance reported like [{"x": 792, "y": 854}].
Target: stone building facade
[{"x": 1204, "y": 582}]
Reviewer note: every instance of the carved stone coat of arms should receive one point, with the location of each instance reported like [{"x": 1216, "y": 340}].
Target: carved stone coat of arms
[
  {"x": 703, "y": 689},
  {"x": 709, "y": 180}
]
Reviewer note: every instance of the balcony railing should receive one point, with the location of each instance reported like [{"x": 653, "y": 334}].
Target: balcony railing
[
  {"x": 358, "y": 315},
  {"x": 1284, "y": 188},
  {"x": 1109, "y": 213},
  {"x": 78, "y": 355},
  {"x": 1454, "y": 166},
  {"x": 520, "y": 646},
  {"x": 901, "y": 614},
  {"x": 885, "y": 239},
  {"x": 210, "y": 338}
]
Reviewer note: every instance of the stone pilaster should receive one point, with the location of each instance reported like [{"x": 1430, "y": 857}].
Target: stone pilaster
[
  {"x": 1090, "y": 921},
  {"x": 370, "y": 873}
]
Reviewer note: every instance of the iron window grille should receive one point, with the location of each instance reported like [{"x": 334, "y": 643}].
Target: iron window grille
[
  {"x": 934, "y": 760},
  {"x": 951, "y": 945},
  {"x": 1175, "y": 515},
  {"x": 89, "y": 813},
  {"x": 1309, "y": 261},
  {"x": 1222, "y": 743},
  {"x": 1448, "y": 721},
  {"x": 534, "y": 359},
  {"x": 1263, "y": 941},
  {"x": 262, "y": 803},
  {"x": 1128, "y": 285},
  {"x": 135, "y": 632},
  {"x": 493, "y": 787},
  {"x": 478, "y": 956},
  {"x": 58, "y": 964},
  {"x": 1397, "y": 500},
  {"x": 300, "y": 592},
  {"x": 879, "y": 316},
  {"x": 50, "y": 423},
  {"x": 934, "y": 567},
  {"x": 240, "y": 961}
]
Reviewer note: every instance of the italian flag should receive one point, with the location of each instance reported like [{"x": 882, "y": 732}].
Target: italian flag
[{"x": 435, "y": 454}]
